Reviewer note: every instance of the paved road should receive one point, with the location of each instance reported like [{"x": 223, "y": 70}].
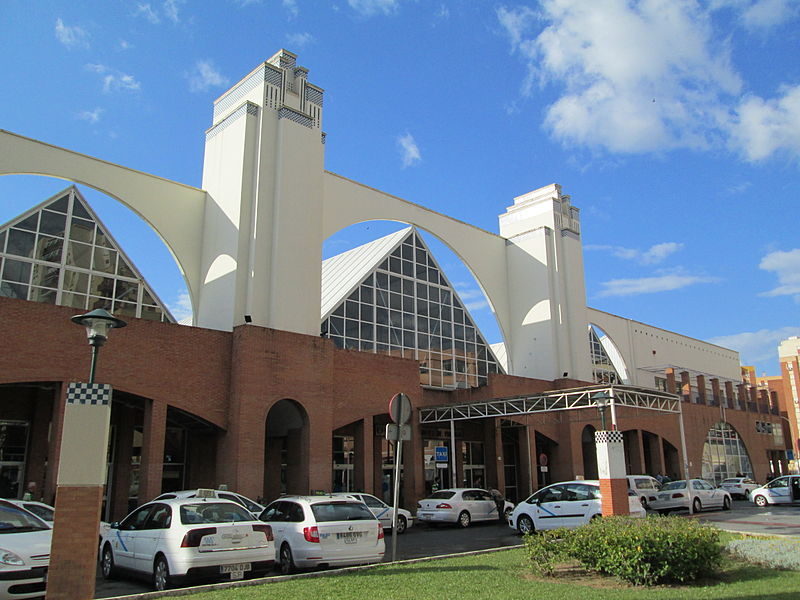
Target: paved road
[{"x": 422, "y": 541}]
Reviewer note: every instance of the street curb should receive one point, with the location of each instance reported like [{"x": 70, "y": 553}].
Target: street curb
[{"x": 212, "y": 587}]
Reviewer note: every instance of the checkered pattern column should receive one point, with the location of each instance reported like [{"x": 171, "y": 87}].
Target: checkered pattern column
[
  {"x": 79, "y": 495},
  {"x": 611, "y": 472}
]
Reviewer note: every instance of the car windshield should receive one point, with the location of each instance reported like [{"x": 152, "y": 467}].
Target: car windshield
[
  {"x": 736, "y": 480},
  {"x": 674, "y": 485},
  {"x": 341, "y": 511},
  {"x": 43, "y": 512},
  {"x": 17, "y": 520},
  {"x": 213, "y": 512},
  {"x": 443, "y": 495}
]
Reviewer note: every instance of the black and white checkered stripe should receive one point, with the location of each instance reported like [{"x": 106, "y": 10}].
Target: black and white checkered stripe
[{"x": 89, "y": 393}]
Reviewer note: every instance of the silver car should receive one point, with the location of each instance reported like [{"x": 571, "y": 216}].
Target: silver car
[
  {"x": 697, "y": 493},
  {"x": 461, "y": 506}
]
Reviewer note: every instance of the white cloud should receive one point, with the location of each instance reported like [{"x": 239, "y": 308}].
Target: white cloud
[
  {"x": 181, "y": 309},
  {"x": 650, "y": 285},
  {"x": 409, "y": 150},
  {"x": 765, "y": 14},
  {"x": 71, "y": 37},
  {"x": 765, "y": 127},
  {"x": 92, "y": 116},
  {"x": 756, "y": 346},
  {"x": 125, "y": 45},
  {"x": 205, "y": 76},
  {"x": 171, "y": 9},
  {"x": 628, "y": 84},
  {"x": 655, "y": 254},
  {"x": 148, "y": 13},
  {"x": 114, "y": 80},
  {"x": 369, "y": 8},
  {"x": 443, "y": 12},
  {"x": 291, "y": 8},
  {"x": 786, "y": 265},
  {"x": 299, "y": 40}
]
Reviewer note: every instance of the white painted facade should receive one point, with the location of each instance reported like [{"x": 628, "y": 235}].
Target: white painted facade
[{"x": 249, "y": 243}]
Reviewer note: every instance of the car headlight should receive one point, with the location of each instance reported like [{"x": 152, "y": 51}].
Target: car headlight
[{"x": 9, "y": 558}]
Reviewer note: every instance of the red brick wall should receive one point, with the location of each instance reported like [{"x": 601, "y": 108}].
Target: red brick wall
[{"x": 614, "y": 494}]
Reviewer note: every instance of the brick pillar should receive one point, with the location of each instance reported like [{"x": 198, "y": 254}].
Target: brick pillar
[
  {"x": 753, "y": 396},
  {"x": 773, "y": 403},
  {"x": 686, "y": 386},
  {"x": 363, "y": 471},
  {"x": 81, "y": 476},
  {"x": 715, "y": 392},
  {"x": 54, "y": 448},
  {"x": 671, "y": 385},
  {"x": 701, "y": 389},
  {"x": 611, "y": 472},
  {"x": 152, "y": 465},
  {"x": 36, "y": 467},
  {"x": 742, "y": 396},
  {"x": 729, "y": 401},
  {"x": 764, "y": 403},
  {"x": 121, "y": 469}
]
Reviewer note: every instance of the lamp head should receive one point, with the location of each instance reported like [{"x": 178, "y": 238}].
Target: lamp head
[{"x": 98, "y": 322}]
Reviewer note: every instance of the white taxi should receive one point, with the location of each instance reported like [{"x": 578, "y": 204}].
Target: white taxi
[
  {"x": 781, "y": 490},
  {"x": 197, "y": 538},
  {"x": 567, "y": 504},
  {"x": 699, "y": 494},
  {"x": 461, "y": 506},
  {"x": 382, "y": 511},
  {"x": 323, "y": 531},
  {"x": 24, "y": 552}
]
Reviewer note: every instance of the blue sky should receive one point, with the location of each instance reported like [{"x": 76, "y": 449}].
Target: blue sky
[{"x": 673, "y": 124}]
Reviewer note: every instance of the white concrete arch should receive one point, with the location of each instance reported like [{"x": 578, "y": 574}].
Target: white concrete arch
[
  {"x": 156, "y": 200},
  {"x": 346, "y": 202}
]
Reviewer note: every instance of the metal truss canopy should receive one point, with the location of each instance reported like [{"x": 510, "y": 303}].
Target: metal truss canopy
[{"x": 596, "y": 396}]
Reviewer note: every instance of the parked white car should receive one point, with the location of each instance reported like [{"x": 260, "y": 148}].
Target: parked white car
[
  {"x": 699, "y": 494},
  {"x": 24, "y": 552},
  {"x": 782, "y": 490},
  {"x": 739, "y": 486},
  {"x": 461, "y": 506},
  {"x": 566, "y": 504},
  {"x": 645, "y": 487},
  {"x": 254, "y": 507},
  {"x": 191, "y": 538},
  {"x": 44, "y": 511},
  {"x": 382, "y": 511},
  {"x": 324, "y": 531}
]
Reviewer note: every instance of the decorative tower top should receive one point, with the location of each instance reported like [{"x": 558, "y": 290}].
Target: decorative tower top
[
  {"x": 277, "y": 84},
  {"x": 545, "y": 207}
]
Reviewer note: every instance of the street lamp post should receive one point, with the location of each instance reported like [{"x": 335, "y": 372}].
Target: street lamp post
[
  {"x": 602, "y": 404},
  {"x": 98, "y": 323}
]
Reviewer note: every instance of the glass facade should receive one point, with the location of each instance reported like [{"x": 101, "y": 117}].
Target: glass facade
[
  {"x": 724, "y": 455},
  {"x": 603, "y": 370},
  {"x": 60, "y": 253},
  {"x": 405, "y": 307}
]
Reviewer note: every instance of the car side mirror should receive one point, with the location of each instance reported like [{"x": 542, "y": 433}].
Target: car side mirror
[{"x": 114, "y": 525}]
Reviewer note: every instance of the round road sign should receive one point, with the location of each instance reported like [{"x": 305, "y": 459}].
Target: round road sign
[{"x": 400, "y": 409}]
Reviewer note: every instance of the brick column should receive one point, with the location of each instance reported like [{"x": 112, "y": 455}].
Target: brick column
[
  {"x": 363, "y": 469},
  {"x": 152, "y": 465},
  {"x": 121, "y": 469},
  {"x": 715, "y": 392},
  {"x": 54, "y": 448},
  {"x": 753, "y": 396},
  {"x": 686, "y": 386},
  {"x": 742, "y": 396},
  {"x": 611, "y": 472},
  {"x": 81, "y": 475},
  {"x": 701, "y": 389},
  {"x": 729, "y": 400},
  {"x": 672, "y": 387}
]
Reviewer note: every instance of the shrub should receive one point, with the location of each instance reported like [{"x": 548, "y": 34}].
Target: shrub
[
  {"x": 774, "y": 553},
  {"x": 546, "y": 550},
  {"x": 640, "y": 551}
]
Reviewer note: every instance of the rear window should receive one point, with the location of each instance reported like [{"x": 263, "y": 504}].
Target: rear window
[
  {"x": 644, "y": 484},
  {"x": 674, "y": 485},
  {"x": 341, "y": 511},
  {"x": 213, "y": 512},
  {"x": 732, "y": 480},
  {"x": 17, "y": 520},
  {"x": 443, "y": 495}
]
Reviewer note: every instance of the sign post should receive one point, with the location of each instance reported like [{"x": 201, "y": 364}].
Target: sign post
[{"x": 400, "y": 413}]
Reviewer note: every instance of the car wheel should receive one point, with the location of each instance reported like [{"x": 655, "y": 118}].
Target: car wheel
[
  {"x": 760, "y": 501},
  {"x": 161, "y": 574},
  {"x": 507, "y": 514},
  {"x": 402, "y": 524},
  {"x": 664, "y": 511},
  {"x": 697, "y": 506},
  {"x": 464, "y": 519},
  {"x": 287, "y": 560},
  {"x": 107, "y": 563},
  {"x": 525, "y": 525},
  {"x": 726, "y": 503}
]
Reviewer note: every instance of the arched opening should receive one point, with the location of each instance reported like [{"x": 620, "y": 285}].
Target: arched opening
[
  {"x": 608, "y": 366},
  {"x": 406, "y": 294},
  {"x": 286, "y": 450},
  {"x": 725, "y": 455},
  {"x": 546, "y": 448},
  {"x": 74, "y": 246},
  {"x": 589, "y": 450}
]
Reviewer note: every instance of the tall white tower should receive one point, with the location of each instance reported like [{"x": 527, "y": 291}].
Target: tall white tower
[
  {"x": 546, "y": 286},
  {"x": 263, "y": 171}
]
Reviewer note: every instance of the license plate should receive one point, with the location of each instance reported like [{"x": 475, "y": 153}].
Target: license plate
[
  {"x": 349, "y": 537},
  {"x": 236, "y": 570}
]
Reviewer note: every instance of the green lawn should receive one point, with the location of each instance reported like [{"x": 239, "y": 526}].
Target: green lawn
[{"x": 503, "y": 575}]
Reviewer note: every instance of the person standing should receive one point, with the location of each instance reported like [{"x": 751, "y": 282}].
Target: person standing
[{"x": 30, "y": 492}]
